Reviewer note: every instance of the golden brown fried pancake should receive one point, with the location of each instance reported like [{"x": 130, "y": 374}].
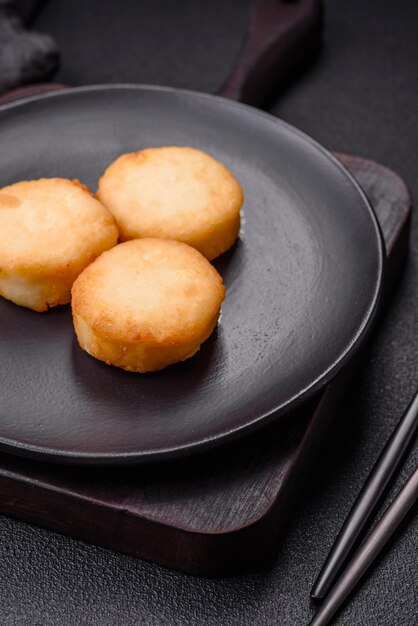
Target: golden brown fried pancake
[
  {"x": 146, "y": 304},
  {"x": 174, "y": 193},
  {"x": 51, "y": 229}
]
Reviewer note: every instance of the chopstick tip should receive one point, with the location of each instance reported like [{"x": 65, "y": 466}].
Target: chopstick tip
[{"x": 315, "y": 597}]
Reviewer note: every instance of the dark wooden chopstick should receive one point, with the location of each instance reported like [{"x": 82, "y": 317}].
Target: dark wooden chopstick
[
  {"x": 368, "y": 551},
  {"x": 383, "y": 470}
]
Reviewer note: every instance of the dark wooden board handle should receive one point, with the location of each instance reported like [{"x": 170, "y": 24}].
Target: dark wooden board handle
[{"x": 282, "y": 37}]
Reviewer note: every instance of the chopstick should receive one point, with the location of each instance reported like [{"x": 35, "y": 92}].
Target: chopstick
[
  {"x": 368, "y": 551},
  {"x": 383, "y": 470}
]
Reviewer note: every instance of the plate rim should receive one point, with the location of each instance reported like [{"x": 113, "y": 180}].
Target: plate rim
[{"x": 49, "y": 454}]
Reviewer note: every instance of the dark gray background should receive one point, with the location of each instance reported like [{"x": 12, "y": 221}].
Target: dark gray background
[{"x": 360, "y": 96}]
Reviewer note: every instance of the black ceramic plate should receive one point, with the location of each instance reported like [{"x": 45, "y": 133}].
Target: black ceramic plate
[{"x": 302, "y": 282}]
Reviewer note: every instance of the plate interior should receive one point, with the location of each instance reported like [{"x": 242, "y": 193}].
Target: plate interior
[{"x": 302, "y": 282}]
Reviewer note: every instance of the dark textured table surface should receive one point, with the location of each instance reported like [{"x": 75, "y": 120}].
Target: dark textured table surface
[{"x": 360, "y": 96}]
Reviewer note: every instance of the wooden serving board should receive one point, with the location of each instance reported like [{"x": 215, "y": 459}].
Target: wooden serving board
[{"x": 220, "y": 512}]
